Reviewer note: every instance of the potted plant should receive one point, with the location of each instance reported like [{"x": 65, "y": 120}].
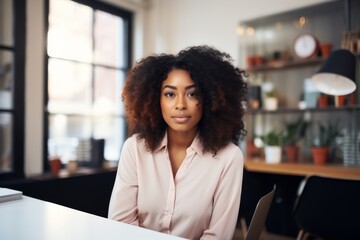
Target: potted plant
[
  {"x": 294, "y": 132},
  {"x": 321, "y": 145},
  {"x": 271, "y": 101},
  {"x": 323, "y": 100},
  {"x": 270, "y": 98},
  {"x": 273, "y": 141}
]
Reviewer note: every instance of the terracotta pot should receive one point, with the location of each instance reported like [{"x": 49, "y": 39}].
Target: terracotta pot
[
  {"x": 340, "y": 100},
  {"x": 292, "y": 153},
  {"x": 250, "y": 61},
  {"x": 325, "y": 49},
  {"x": 259, "y": 60},
  {"x": 320, "y": 154},
  {"x": 55, "y": 166},
  {"x": 323, "y": 101}
]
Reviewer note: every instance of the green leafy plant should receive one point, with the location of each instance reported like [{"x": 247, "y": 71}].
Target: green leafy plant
[
  {"x": 326, "y": 134},
  {"x": 273, "y": 138},
  {"x": 270, "y": 94},
  {"x": 295, "y": 131}
]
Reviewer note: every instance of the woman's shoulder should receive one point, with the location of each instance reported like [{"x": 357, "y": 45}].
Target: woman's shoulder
[
  {"x": 230, "y": 152},
  {"x": 231, "y": 147},
  {"x": 134, "y": 141}
]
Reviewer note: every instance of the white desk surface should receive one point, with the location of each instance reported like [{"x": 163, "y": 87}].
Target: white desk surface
[{"x": 30, "y": 218}]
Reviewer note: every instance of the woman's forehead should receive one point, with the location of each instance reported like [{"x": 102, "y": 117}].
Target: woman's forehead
[{"x": 177, "y": 78}]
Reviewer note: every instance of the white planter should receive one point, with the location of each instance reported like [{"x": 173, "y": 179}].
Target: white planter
[
  {"x": 271, "y": 103},
  {"x": 272, "y": 154}
]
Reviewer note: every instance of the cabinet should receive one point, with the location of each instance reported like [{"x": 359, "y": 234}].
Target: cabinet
[
  {"x": 269, "y": 39},
  {"x": 266, "y": 49}
]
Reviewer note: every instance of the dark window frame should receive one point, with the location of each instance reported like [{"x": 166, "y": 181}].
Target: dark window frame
[
  {"x": 96, "y": 5},
  {"x": 17, "y": 111}
]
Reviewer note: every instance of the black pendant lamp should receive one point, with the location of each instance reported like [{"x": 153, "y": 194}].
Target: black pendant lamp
[{"x": 337, "y": 75}]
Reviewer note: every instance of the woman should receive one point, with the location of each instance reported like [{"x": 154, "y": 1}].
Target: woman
[{"x": 180, "y": 172}]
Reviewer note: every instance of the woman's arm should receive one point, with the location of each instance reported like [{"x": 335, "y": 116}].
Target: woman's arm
[
  {"x": 123, "y": 201},
  {"x": 226, "y": 201}
]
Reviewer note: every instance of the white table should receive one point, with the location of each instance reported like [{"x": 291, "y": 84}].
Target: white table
[{"x": 30, "y": 218}]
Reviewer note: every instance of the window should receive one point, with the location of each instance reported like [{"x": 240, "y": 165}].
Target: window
[
  {"x": 12, "y": 55},
  {"x": 88, "y": 47}
]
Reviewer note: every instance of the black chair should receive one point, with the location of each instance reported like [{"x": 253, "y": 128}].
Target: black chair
[
  {"x": 328, "y": 208},
  {"x": 256, "y": 228},
  {"x": 257, "y": 224}
]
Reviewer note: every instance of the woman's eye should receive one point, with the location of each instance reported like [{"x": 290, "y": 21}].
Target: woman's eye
[
  {"x": 169, "y": 94},
  {"x": 192, "y": 94}
]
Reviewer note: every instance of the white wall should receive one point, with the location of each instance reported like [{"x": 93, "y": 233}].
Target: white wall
[
  {"x": 34, "y": 83},
  {"x": 139, "y": 9},
  {"x": 160, "y": 26},
  {"x": 183, "y": 23}
]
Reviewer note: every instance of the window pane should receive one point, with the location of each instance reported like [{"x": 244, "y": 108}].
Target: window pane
[
  {"x": 6, "y": 161},
  {"x": 6, "y": 22},
  {"x": 108, "y": 86},
  {"x": 6, "y": 79},
  {"x": 109, "y": 39},
  {"x": 113, "y": 131},
  {"x": 86, "y": 63},
  {"x": 70, "y": 26},
  {"x": 69, "y": 87},
  {"x": 67, "y": 134}
]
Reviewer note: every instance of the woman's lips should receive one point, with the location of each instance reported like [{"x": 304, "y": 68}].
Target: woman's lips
[{"x": 181, "y": 119}]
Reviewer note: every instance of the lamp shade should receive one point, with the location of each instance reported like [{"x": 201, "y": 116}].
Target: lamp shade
[{"x": 337, "y": 75}]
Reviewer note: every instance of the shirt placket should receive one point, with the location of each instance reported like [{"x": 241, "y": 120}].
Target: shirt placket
[
  {"x": 190, "y": 154},
  {"x": 170, "y": 202},
  {"x": 169, "y": 208}
]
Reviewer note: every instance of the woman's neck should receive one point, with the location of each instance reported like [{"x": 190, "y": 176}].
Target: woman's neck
[
  {"x": 178, "y": 142},
  {"x": 180, "y": 139}
]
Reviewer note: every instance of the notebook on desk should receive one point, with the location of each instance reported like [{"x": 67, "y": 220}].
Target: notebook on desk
[
  {"x": 7, "y": 194},
  {"x": 258, "y": 219}
]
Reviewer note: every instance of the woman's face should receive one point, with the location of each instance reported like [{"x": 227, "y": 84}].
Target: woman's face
[{"x": 180, "y": 102}]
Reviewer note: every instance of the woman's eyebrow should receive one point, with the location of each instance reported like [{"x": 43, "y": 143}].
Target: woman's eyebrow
[
  {"x": 169, "y": 86},
  {"x": 190, "y": 86},
  {"x": 175, "y": 88}
]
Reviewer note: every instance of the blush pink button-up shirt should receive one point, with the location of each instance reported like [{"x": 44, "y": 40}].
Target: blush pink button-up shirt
[{"x": 201, "y": 202}]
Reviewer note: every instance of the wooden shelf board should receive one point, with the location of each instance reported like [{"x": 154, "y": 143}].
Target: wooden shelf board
[
  {"x": 302, "y": 169},
  {"x": 279, "y": 65},
  {"x": 297, "y": 110}
]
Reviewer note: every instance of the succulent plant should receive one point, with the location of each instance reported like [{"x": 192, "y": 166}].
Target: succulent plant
[
  {"x": 273, "y": 138},
  {"x": 326, "y": 134},
  {"x": 295, "y": 131}
]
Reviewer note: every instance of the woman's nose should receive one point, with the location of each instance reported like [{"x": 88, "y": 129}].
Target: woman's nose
[{"x": 180, "y": 103}]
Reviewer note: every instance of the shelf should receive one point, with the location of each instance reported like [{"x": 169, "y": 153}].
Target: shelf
[
  {"x": 302, "y": 169},
  {"x": 280, "y": 65},
  {"x": 297, "y": 110}
]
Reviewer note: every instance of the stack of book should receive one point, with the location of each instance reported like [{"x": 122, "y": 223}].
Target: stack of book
[{"x": 7, "y": 194}]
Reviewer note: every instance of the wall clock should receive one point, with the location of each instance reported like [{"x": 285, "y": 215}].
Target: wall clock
[{"x": 306, "y": 46}]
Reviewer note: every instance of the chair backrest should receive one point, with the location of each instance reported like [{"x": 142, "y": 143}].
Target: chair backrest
[
  {"x": 258, "y": 219},
  {"x": 329, "y": 208}
]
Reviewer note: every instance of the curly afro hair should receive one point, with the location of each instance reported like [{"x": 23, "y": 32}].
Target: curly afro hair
[{"x": 221, "y": 86}]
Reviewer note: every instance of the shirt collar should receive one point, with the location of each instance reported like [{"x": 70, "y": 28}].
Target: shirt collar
[
  {"x": 195, "y": 145},
  {"x": 163, "y": 143}
]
